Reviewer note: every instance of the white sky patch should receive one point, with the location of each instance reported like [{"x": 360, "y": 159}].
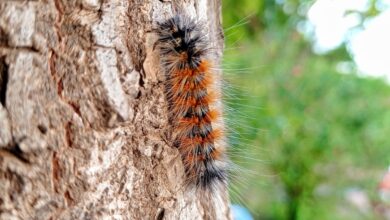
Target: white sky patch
[
  {"x": 330, "y": 22},
  {"x": 371, "y": 47},
  {"x": 330, "y": 26}
]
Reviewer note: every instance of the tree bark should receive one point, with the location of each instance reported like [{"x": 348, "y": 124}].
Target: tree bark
[{"x": 84, "y": 130}]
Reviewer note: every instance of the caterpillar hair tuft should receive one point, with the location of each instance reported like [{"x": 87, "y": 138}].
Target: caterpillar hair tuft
[{"x": 192, "y": 91}]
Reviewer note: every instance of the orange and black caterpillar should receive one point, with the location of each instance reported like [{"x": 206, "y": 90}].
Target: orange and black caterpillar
[{"x": 194, "y": 101}]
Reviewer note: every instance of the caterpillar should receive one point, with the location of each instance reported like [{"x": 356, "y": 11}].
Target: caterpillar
[{"x": 193, "y": 96}]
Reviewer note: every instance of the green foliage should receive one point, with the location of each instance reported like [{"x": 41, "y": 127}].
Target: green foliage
[
  {"x": 248, "y": 18},
  {"x": 322, "y": 133}
]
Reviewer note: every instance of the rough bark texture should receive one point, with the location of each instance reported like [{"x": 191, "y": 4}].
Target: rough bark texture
[{"x": 84, "y": 132}]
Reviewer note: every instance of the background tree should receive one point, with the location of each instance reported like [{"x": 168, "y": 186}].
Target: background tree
[{"x": 317, "y": 137}]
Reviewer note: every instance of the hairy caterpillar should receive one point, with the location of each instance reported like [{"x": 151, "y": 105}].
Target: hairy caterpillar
[{"x": 193, "y": 95}]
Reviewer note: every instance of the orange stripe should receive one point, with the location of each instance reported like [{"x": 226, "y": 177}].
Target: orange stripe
[
  {"x": 215, "y": 134},
  {"x": 183, "y": 73},
  {"x": 193, "y": 102},
  {"x": 188, "y": 123},
  {"x": 212, "y": 115},
  {"x": 204, "y": 66},
  {"x": 187, "y": 74},
  {"x": 190, "y": 143}
]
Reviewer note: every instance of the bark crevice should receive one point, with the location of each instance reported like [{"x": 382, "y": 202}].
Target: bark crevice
[{"x": 3, "y": 80}]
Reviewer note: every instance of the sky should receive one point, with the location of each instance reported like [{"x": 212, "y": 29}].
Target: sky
[{"x": 370, "y": 46}]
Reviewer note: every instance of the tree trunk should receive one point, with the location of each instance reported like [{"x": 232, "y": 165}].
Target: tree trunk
[{"x": 84, "y": 130}]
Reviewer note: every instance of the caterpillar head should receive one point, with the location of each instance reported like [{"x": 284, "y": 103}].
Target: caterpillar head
[{"x": 181, "y": 37}]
